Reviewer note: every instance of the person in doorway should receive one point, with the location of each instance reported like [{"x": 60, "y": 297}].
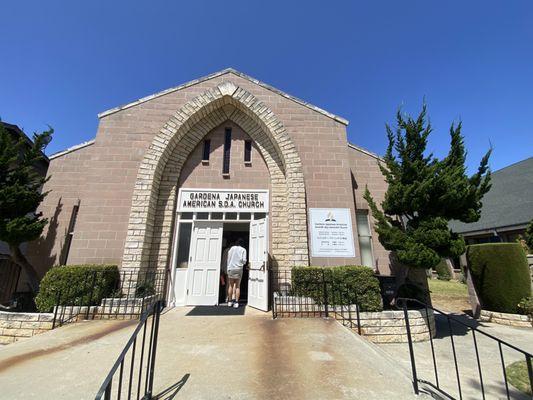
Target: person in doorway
[
  {"x": 223, "y": 269},
  {"x": 236, "y": 263}
]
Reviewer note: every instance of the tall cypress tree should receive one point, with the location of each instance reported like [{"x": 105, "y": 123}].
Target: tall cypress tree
[
  {"x": 21, "y": 194},
  {"x": 424, "y": 193}
]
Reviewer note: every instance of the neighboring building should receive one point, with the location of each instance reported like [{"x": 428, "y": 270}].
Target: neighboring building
[
  {"x": 10, "y": 273},
  {"x": 507, "y": 207},
  {"x": 171, "y": 177}
]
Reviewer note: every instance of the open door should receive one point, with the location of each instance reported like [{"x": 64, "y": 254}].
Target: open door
[
  {"x": 204, "y": 263},
  {"x": 258, "y": 258}
]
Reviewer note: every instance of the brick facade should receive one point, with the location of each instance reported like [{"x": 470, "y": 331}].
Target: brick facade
[{"x": 127, "y": 179}]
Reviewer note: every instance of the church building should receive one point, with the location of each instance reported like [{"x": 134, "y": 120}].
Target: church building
[{"x": 171, "y": 179}]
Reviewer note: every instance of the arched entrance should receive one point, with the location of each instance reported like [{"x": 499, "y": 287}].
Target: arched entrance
[{"x": 152, "y": 213}]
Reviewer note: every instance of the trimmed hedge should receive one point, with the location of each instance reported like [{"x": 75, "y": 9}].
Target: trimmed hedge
[
  {"x": 344, "y": 285},
  {"x": 443, "y": 272},
  {"x": 501, "y": 275},
  {"x": 77, "y": 285}
]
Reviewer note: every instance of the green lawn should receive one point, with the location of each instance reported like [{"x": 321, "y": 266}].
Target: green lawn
[
  {"x": 449, "y": 295},
  {"x": 518, "y": 376}
]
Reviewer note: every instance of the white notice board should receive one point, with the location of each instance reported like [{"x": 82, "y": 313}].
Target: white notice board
[{"x": 331, "y": 232}]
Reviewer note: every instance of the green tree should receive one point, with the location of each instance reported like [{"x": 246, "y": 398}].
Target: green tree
[
  {"x": 528, "y": 236},
  {"x": 20, "y": 194},
  {"x": 424, "y": 193}
]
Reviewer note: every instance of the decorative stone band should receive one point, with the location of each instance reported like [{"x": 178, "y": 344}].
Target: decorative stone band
[
  {"x": 523, "y": 321},
  {"x": 15, "y": 326},
  {"x": 378, "y": 327}
]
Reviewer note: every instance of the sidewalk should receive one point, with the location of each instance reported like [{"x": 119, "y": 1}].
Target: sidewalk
[
  {"x": 466, "y": 358},
  {"x": 255, "y": 357},
  {"x": 209, "y": 353},
  {"x": 66, "y": 363}
]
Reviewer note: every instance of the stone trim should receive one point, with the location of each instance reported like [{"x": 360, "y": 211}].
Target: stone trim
[
  {"x": 518, "y": 320},
  {"x": 148, "y": 241},
  {"x": 217, "y": 74},
  {"x": 389, "y": 326},
  {"x": 17, "y": 325},
  {"x": 71, "y": 149}
]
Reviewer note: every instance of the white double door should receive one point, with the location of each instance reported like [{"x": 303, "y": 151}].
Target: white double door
[
  {"x": 204, "y": 264},
  {"x": 258, "y": 263}
]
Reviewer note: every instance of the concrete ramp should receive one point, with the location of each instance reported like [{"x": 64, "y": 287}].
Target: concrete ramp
[
  {"x": 252, "y": 356},
  {"x": 66, "y": 363},
  {"x": 209, "y": 353}
]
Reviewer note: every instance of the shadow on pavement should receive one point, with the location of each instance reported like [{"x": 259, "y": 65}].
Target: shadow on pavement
[
  {"x": 443, "y": 328},
  {"x": 222, "y": 310},
  {"x": 171, "y": 392}
]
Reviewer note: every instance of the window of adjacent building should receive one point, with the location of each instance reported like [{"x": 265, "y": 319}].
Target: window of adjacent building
[
  {"x": 70, "y": 233},
  {"x": 184, "y": 242},
  {"x": 247, "y": 151},
  {"x": 365, "y": 238},
  {"x": 227, "y": 152},
  {"x": 207, "y": 150}
]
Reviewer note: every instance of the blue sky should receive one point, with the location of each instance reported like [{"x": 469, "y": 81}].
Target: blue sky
[{"x": 64, "y": 62}]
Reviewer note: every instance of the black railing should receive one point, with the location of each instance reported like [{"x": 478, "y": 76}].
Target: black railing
[
  {"x": 132, "y": 375},
  {"x": 471, "y": 370},
  {"x": 132, "y": 293},
  {"x": 314, "y": 295}
]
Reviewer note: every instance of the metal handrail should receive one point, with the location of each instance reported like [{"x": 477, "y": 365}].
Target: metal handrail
[
  {"x": 402, "y": 302},
  {"x": 105, "y": 389}
]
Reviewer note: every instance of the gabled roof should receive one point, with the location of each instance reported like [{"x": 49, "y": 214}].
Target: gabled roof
[
  {"x": 509, "y": 202},
  {"x": 219, "y": 73},
  {"x": 365, "y": 151},
  {"x": 72, "y": 148}
]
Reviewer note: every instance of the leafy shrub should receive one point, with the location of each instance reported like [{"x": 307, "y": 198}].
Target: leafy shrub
[
  {"x": 501, "y": 275},
  {"x": 528, "y": 237},
  {"x": 344, "y": 285},
  {"x": 144, "y": 288},
  {"x": 525, "y": 306},
  {"x": 76, "y": 285},
  {"x": 443, "y": 272}
]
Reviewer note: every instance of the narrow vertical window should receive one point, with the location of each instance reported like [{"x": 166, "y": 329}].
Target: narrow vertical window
[
  {"x": 207, "y": 150},
  {"x": 184, "y": 243},
  {"x": 227, "y": 152},
  {"x": 365, "y": 238},
  {"x": 247, "y": 151},
  {"x": 70, "y": 233}
]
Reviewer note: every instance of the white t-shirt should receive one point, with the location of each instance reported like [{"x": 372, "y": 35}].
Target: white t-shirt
[{"x": 236, "y": 257}]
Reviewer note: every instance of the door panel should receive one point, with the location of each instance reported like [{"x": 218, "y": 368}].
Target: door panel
[
  {"x": 204, "y": 263},
  {"x": 258, "y": 278}
]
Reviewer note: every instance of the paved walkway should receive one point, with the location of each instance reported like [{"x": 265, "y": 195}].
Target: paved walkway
[
  {"x": 204, "y": 356},
  {"x": 67, "y": 363},
  {"x": 466, "y": 358},
  {"x": 255, "y": 357}
]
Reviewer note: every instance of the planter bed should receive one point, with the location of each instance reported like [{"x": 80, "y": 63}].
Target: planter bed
[{"x": 378, "y": 327}]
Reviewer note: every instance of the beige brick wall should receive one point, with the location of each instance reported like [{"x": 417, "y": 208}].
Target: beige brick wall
[
  {"x": 196, "y": 174},
  {"x": 68, "y": 182},
  {"x": 365, "y": 172},
  {"x": 108, "y": 169}
]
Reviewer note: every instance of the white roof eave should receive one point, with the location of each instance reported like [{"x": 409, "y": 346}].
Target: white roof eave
[{"x": 214, "y": 75}]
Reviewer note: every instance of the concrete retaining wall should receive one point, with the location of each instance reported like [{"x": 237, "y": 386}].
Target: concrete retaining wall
[
  {"x": 15, "y": 326},
  {"x": 523, "y": 321}
]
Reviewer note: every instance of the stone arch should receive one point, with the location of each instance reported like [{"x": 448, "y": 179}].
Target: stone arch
[{"x": 154, "y": 196}]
